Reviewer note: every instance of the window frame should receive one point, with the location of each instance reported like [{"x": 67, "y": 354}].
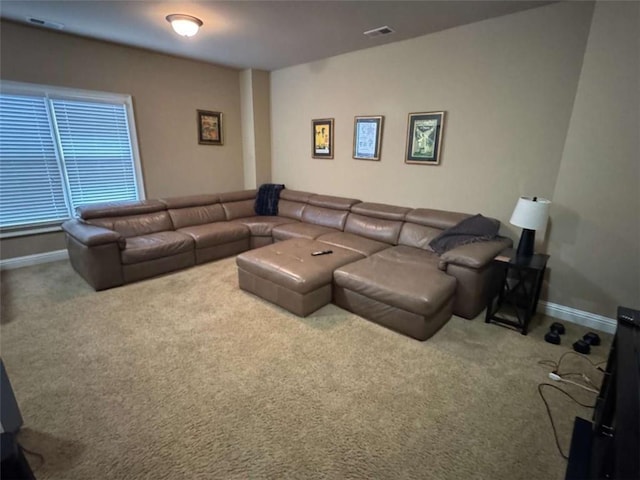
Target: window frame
[{"x": 49, "y": 92}]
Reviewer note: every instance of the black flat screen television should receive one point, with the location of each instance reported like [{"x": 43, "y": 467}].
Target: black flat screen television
[{"x": 608, "y": 447}]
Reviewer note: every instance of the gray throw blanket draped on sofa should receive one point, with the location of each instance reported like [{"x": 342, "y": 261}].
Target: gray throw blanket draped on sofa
[{"x": 470, "y": 230}]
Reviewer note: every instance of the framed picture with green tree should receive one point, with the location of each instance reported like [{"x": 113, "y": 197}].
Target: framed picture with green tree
[
  {"x": 322, "y": 138},
  {"x": 424, "y": 138}
]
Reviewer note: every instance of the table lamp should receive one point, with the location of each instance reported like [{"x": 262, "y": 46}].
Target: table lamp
[{"x": 530, "y": 214}]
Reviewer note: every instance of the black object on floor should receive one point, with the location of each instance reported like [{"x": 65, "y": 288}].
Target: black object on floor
[
  {"x": 584, "y": 345},
  {"x": 581, "y": 346},
  {"x": 14, "y": 465},
  {"x": 553, "y": 335},
  {"x": 592, "y": 339}
]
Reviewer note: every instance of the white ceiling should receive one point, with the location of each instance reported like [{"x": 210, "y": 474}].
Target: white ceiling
[{"x": 264, "y": 34}]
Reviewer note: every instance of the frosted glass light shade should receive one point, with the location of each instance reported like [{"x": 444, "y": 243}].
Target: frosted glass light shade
[
  {"x": 530, "y": 214},
  {"x": 184, "y": 25}
]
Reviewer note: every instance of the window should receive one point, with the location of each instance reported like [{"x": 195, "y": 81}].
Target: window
[{"x": 62, "y": 148}]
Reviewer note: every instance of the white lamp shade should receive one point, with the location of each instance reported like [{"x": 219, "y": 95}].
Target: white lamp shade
[
  {"x": 530, "y": 214},
  {"x": 184, "y": 25}
]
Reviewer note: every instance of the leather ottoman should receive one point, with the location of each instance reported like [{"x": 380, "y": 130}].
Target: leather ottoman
[
  {"x": 400, "y": 288},
  {"x": 286, "y": 273}
]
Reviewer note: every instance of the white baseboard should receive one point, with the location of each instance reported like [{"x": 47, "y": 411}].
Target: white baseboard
[
  {"x": 29, "y": 260},
  {"x": 580, "y": 317}
]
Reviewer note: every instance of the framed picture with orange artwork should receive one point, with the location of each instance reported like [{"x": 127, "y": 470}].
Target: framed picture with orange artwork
[
  {"x": 322, "y": 138},
  {"x": 209, "y": 127}
]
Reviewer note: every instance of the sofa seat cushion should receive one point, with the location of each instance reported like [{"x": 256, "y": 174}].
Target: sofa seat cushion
[
  {"x": 403, "y": 277},
  {"x": 362, "y": 245},
  {"x": 261, "y": 226},
  {"x": 219, "y": 233},
  {"x": 155, "y": 245},
  {"x": 300, "y": 230}
]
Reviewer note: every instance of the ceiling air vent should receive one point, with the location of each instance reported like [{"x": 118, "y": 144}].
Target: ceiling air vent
[
  {"x": 379, "y": 32},
  {"x": 45, "y": 23}
]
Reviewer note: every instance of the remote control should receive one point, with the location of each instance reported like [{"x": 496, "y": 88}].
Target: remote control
[{"x": 321, "y": 252}]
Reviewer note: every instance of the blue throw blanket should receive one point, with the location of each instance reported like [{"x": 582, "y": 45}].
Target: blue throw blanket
[{"x": 267, "y": 199}]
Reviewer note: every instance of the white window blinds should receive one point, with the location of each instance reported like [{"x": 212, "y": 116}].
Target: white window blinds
[
  {"x": 62, "y": 148},
  {"x": 96, "y": 151},
  {"x": 31, "y": 188}
]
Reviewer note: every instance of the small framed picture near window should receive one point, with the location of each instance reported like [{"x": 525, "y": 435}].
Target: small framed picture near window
[
  {"x": 367, "y": 137},
  {"x": 209, "y": 128},
  {"x": 322, "y": 138},
  {"x": 424, "y": 138}
]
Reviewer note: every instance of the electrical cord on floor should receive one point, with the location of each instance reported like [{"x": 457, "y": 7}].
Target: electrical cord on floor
[
  {"x": 546, "y": 404},
  {"x": 39, "y": 456},
  {"x": 556, "y": 365},
  {"x": 556, "y": 375},
  {"x": 581, "y": 375}
]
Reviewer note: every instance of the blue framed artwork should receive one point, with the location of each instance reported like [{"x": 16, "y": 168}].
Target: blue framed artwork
[{"x": 367, "y": 137}]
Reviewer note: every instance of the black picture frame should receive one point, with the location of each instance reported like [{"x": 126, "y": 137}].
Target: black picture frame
[
  {"x": 424, "y": 138},
  {"x": 322, "y": 138},
  {"x": 210, "y": 128}
]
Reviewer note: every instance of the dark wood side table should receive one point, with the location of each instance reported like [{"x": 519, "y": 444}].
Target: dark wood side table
[{"x": 518, "y": 296}]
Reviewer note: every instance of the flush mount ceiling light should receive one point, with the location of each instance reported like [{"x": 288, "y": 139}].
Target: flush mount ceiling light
[{"x": 184, "y": 25}]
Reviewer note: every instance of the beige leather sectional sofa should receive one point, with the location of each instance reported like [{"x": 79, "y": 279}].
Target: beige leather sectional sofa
[{"x": 381, "y": 268}]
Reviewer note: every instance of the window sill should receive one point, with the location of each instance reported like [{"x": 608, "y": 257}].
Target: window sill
[{"x": 29, "y": 231}]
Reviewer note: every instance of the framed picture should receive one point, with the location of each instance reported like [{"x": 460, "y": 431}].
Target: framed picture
[
  {"x": 322, "y": 138},
  {"x": 424, "y": 138},
  {"x": 367, "y": 137},
  {"x": 209, "y": 128}
]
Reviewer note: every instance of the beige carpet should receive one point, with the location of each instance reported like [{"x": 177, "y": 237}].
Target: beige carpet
[{"x": 186, "y": 376}]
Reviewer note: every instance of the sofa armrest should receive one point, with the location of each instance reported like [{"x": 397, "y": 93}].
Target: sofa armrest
[
  {"x": 92, "y": 235},
  {"x": 474, "y": 255}
]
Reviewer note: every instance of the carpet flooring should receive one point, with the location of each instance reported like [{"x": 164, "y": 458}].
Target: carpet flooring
[{"x": 186, "y": 376}]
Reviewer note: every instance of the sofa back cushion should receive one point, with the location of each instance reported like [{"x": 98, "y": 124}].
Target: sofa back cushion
[
  {"x": 336, "y": 203},
  {"x": 435, "y": 218},
  {"x": 326, "y": 217},
  {"x": 194, "y": 210},
  {"x": 380, "y": 210},
  {"x": 424, "y": 224},
  {"x": 374, "y": 228},
  {"x": 376, "y": 221},
  {"x": 418, "y": 236},
  {"x": 190, "y": 201},
  {"x": 187, "y": 217},
  {"x": 136, "y": 225},
  {"x": 292, "y": 202},
  {"x": 289, "y": 209},
  {"x": 119, "y": 209},
  {"x": 328, "y": 211},
  {"x": 241, "y": 209},
  {"x": 295, "y": 195},
  {"x": 238, "y": 204}
]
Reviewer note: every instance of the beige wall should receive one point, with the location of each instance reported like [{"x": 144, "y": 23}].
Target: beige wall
[
  {"x": 594, "y": 240},
  {"x": 508, "y": 86},
  {"x": 166, "y": 93}
]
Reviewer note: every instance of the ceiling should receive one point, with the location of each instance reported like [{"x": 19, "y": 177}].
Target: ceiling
[{"x": 266, "y": 35}]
